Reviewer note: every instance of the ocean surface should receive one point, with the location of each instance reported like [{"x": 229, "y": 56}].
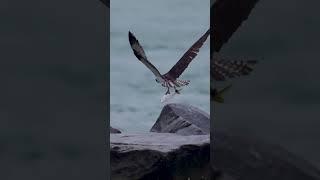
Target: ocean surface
[{"x": 165, "y": 32}]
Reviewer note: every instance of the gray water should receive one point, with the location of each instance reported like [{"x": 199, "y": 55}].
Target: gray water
[{"x": 165, "y": 32}]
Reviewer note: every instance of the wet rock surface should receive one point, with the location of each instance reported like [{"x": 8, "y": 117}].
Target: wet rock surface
[
  {"x": 182, "y": 119},
  {"x": 248, "y": 158},
  {"x": 157, "y": 155},
  {"x": 179, "y": 147},
  {"x": 114, "y": 130}
]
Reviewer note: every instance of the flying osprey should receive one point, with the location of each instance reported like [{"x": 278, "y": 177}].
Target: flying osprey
[
  {"x": 226, "y": 17},
  {"x": 169, "y": 79}
]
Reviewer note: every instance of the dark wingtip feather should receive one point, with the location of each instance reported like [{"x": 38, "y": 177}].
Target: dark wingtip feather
[
  {"x": 207, "y": 33},
  {"x": 132, "y": 39}
]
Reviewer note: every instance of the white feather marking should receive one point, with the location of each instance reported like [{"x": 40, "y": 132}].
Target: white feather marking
[{"x": 171, "y": 84}]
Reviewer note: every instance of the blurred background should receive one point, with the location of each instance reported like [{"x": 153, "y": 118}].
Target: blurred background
[
  {"x": 280, "y": 101},
  {"x": 53, "y": 89},
  {"x": 165, "y": 29}
]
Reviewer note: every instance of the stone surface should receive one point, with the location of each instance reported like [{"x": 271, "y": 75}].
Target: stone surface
[
  {"x": 114, "y": 130},
  {"x": 182, "y": 119},
  {"x": 179, "y": 148},
  {"x": 158, "y": 155},
  {"x": 248, "y": 158}
]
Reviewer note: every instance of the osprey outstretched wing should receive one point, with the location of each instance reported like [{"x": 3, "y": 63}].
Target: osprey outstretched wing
[
  {"x": 170, "y": 79},
  {"x": 187, "y": 57},
  {"x": 226, "y": 17},
  {"x": 141, "y": 55}
]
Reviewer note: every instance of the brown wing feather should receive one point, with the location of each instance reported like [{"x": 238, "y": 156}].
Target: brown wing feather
[
  {"x": 223, "y": 69},
  {"x": 188, "y": 56},
  {"x": 141, "y": 55},
  {"x": 226, "y": 17}
]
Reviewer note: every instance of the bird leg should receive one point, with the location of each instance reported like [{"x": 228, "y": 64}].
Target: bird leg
[
  {"x": 168, "y": 91},
  {"x": 168, "y": 88}
]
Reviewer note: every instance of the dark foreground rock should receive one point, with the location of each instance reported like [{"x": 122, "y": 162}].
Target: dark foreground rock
[
  {"x": 183, "y": 153},
  {"x": 246, "y": 158},
  {"x": 159, "y": 156},
  {"x": 114, "y": 130},
  {"x": 182, "y": 119}
]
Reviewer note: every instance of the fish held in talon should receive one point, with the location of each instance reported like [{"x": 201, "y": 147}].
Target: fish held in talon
[
  {"x": 169, "y": 79},
  {"x": 167, "y": 92},
  {"x": 165, "y": 98}
]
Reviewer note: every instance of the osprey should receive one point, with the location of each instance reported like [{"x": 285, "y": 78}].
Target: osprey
[
  {"x": 169, "y": 79},
  {"x": 226, "y": 17}
]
